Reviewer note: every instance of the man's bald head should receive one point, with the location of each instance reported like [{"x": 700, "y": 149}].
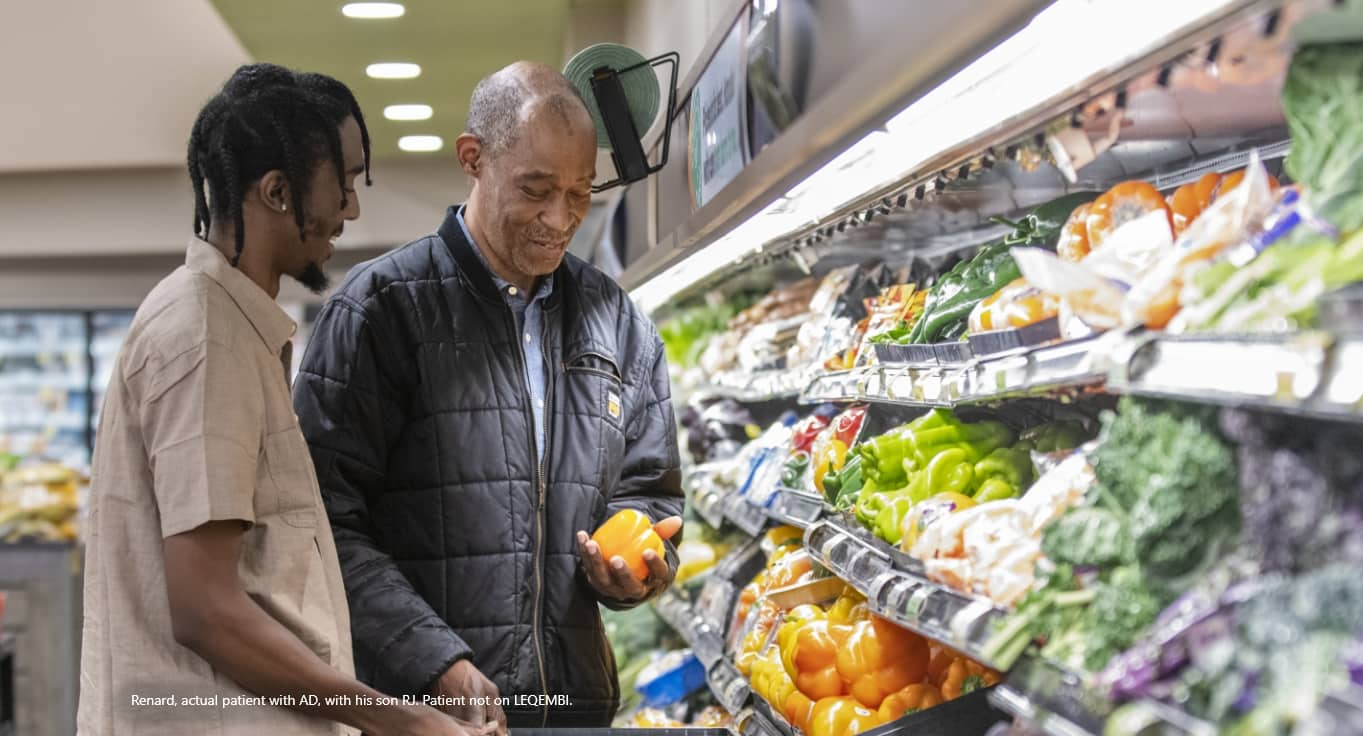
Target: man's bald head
[{"x": 503, "y": 100}]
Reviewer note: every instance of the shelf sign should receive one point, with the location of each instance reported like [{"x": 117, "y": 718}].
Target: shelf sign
[{"x": 718, "y": 145}]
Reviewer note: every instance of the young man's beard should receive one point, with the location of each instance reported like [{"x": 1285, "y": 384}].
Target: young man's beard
[{"x": 313, "y": 278}]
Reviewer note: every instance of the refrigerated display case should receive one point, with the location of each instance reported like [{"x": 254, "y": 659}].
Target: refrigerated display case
[
  {"x": 54, "y": 367},
  {"x": 1124, "y": 474}
]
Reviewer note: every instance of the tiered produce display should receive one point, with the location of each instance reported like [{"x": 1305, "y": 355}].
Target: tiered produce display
[{"x": 1111, "y": 546}]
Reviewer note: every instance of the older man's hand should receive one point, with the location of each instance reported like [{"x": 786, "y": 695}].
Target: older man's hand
[{"x": 613, "y": 579}]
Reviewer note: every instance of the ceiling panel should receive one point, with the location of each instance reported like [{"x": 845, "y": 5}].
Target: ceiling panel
[
  {"x": 95, "y": 84},
  {"x": 455, "y": 42}
]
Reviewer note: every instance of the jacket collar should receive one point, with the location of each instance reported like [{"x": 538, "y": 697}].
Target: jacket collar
[
  {"x": 474, "y": 270},
  {"x": 272, "y": 323}
]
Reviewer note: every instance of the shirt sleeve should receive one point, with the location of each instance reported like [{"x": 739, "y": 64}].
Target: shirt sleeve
[{"x": 202, "y": 415}]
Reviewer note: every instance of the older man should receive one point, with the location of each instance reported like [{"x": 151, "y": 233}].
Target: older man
[{"x": 476, "y": 401}]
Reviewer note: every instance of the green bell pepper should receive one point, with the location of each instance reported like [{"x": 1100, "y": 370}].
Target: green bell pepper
[
  {"x": 977, "y": 440},
  {"x": 948, "y": 471},
  {"x": 952, "y": 298},
  {"x": 1005, "y": 473},
  {"x": 1011, "y": 464},
  {"x": 794, "y": 470},
  {"x": 995, "y": 489},
  {"x": 889, "y": 524},
  {"x": 839, "y": 485}
]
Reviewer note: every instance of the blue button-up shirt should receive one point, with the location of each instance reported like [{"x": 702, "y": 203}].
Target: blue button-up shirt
[{"x": 529, "y": 313}]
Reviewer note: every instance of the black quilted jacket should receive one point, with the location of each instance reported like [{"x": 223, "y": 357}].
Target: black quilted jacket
[{"x": 453, "y": 541}]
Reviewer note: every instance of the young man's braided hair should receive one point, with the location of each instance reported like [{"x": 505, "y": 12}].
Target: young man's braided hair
[{"x": 265, "y": 118}]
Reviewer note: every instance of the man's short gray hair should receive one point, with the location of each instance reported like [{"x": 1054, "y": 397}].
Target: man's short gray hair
[{"x": 499, "y": 102}]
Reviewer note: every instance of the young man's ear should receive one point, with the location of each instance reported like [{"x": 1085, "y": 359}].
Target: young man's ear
[
  {"x": 469, "y": 148},
  {"x": 273, "y": 191}
]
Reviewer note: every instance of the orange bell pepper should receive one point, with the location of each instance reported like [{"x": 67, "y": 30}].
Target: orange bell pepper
[
  {"x": 628, "y": 534},
  {"x": 816, "y": 659},
  {"x": 790, "y": 569},
  {"x": 841, "y": 717},
  {"x": 965, "y": 676},
  {"x": 911, "y": 699},
  {"x": 798, "y": 708},
  {"x": 1074, "y": 236},
  {"x": 942, "y": 658},
  {"x": 1121, "y": 204},
  {"x": 881, "y": 658}
]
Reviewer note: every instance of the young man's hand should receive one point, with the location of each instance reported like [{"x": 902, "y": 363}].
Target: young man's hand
[
  {"x": 613, "y": 579},
  {"x": 463, "y": 680}
]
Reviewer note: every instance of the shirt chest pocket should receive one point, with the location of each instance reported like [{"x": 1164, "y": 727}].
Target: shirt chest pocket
[
  {"x": 289, "y": 467},
  {"x": 594, "y": 399}
]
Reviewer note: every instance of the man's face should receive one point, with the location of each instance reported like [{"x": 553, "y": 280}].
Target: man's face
[
  {"x": 325, "y": 217},
  {"x": 537, "y": 193}
]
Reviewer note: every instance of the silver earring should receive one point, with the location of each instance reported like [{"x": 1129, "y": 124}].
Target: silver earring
[{"x": 283, "y": 208}]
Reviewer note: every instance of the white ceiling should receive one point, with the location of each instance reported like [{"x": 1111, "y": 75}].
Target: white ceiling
[{"x": 106, "y": 83}]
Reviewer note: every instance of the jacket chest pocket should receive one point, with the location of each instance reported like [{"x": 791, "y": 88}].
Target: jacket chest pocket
[
  {"x": 295, "y": 483},
  {"x": 594, "y": 407}
]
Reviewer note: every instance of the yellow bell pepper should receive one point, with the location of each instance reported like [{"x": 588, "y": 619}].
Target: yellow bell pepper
[
  {"x": 785, "y": 636},
  {"x": 832, "y": 457},
  {"x": 755, "y": 641},
  {"x": 780, "y": 539},
  {"x": 842, "y": 716},
  {"x": 770, "y": 681},
  {"x": 798, "y": 710},
  {"x": 849, "y": 608}
]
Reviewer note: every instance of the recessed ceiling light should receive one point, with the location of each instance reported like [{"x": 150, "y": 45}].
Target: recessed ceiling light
[
  {"x": 393, "y": 70},
  {"x": 407, "y": 112},
  {"x": 421, "y": 143},
  {"x": 373, "y": 10}
]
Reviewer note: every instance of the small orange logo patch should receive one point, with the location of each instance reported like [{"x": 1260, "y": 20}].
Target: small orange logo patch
[{"x": 613, "y": 404}]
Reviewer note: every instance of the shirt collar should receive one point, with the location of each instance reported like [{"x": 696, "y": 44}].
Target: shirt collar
[
  {"x": 271, "y": 322},
  {"x": 542, "y": 290}
]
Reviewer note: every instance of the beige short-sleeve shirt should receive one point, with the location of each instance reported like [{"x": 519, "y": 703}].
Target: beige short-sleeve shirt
[{"x": 198, "y": 426}]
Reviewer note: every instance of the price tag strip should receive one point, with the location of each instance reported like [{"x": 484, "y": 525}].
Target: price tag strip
[{"x": 960, "y": 621}]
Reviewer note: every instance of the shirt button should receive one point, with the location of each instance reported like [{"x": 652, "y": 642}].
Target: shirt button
[
  {"x": 527, "y": 337},
  {"x": 511, "y": 290},
  {"x": 541, "y": 403}
]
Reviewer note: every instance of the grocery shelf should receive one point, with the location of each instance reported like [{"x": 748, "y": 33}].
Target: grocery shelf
[
  {"x": 702, "y": 639},
  {"x": 749, "y": 518},
  {"x": 900, "y": 593},
  {"x": 1313, "y": 373},
  {"x": 796, "y": 508},
  {"x": 758, "y": 386},
  {"x": 59, "y": 421},
  {"x": 26, "y": 348},
  {"x": 837, "y": 386},
  {"x": 729, "y": 686},
  {"x": 755, "y": 721},
  {"x": 37, "y": 382},
  {"x": 1053, "y": 698}
]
